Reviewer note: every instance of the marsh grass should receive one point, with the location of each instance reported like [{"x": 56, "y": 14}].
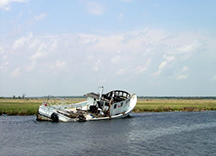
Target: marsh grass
[
  {"x": 24, "y": 107},
  {"x": 165, "y": 105},
  {"x": 30, "y": 107}
]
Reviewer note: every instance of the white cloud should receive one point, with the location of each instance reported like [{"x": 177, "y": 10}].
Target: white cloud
[
  {"x": 183, "y": 51},
  {"x": 115, "y": 59},
  {"x": 37, "y": 18},
  {"x": 31, "y": 67},
  {"x": 86, "y": 39},
  {"x": 6, "y": 4},
  {"x": 185, "y": 69},
  {"x": 161, "y": 67},
  {"x": 1, "y": 50},
  {"x": 22, "y": 41},
  {"x": 19, "y": 15},
  {"x": 16, "y": 72},
  {"x": 182, "y": 77},
  {"x": 4, "y": 57},
  {"x": 214, "y": 78},
  {"x": 91, "y": 57},
  {"x": 121, "y": 72},
  {"x": 37, "y": 55},
  {"x": 4, "y": 66},
  {"x": 183, "y": 73},
  {"x": 120, "y": 16},
  {"x": 142, "y": 69},
  {"x": 169, "y": 58},
  {"x": 95, "y": 8},
  {"x": 144, "y": 54},
  {"x": 189, "y": 48},
  {"x": 40, "y": 17},
  {"x": 41, "y": 52},
  {"x": 164, "y": 64},
  {"x": 95, "y": 68},
  {"x": 35, "y": 43},
  {"x": 60, "y": 64},
  {"x": 95, "y": 47},
  {"x": 98, "y": 61}
]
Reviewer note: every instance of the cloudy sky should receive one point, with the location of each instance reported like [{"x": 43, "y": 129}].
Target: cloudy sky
[{"x": 148, "y": 47}]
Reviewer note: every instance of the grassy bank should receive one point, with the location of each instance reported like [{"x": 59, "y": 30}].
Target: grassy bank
[
  {"x": 23, "y": 106},
  {"x": 165, "y": 105},
  {"x": 29, "y": 107},
  {"x": 19, "y": 107}
]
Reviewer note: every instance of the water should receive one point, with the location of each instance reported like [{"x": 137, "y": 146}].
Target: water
[{"x": 174, "y": 133}]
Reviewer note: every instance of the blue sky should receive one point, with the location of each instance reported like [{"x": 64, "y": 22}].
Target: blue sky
[{"x": 148, "y": 47}]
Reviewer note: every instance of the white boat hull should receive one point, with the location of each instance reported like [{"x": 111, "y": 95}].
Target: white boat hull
[{"x": 82, "y": 111}]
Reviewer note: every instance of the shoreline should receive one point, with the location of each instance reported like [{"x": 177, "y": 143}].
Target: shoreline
[
  {"x": 24, "y": 107},
  {"x": 5, "y": 115},
  {"x": 181, "y": 110}
]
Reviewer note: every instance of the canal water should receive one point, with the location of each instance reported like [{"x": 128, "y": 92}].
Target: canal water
[{"x": 143, "y": 134}]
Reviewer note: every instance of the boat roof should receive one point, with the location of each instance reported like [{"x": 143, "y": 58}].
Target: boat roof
[
  {"x": 118, "y": 95},
  {"x": 93, "y": 95}
]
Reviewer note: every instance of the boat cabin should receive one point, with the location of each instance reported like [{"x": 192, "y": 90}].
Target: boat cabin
[{"x": 112, "y": 103}]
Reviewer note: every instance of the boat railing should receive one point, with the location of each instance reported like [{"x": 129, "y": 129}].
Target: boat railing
[{"x": 55, "y": 102}]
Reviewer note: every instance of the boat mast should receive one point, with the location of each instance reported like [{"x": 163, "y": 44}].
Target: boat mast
[{"x": 101, "y": 92}]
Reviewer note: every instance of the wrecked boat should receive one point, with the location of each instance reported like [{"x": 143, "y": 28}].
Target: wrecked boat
[{"x": 98, "y": 106}]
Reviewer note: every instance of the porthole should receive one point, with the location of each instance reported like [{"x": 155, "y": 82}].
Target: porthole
[{"x": 115, "y": 106}]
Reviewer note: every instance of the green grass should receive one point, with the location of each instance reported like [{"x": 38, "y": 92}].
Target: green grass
[
  {"x": 30, "y": 107},
  {"x": 23, "y": 107},
  {"x": 162, "y": 105},
  {"x": 19, "y": 107}
]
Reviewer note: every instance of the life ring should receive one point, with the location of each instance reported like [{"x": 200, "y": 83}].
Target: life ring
[{"x": 54, "y": 117}]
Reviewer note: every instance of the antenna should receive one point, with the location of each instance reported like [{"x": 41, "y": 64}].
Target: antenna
[{"x": 101, "y": 91}]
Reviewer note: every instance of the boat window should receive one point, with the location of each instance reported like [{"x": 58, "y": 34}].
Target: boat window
[
  {"x": 115, "y": 106},
  {"x": 127, "y": 102},
  {"x": 120, "y": 93},
  {"x": 121, "y": 104}
]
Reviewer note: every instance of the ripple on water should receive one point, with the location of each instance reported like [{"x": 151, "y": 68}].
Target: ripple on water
[{"x": 175, "y": 133}]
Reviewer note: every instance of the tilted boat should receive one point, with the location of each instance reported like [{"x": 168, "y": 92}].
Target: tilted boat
[{"x": 98, "y": 106}]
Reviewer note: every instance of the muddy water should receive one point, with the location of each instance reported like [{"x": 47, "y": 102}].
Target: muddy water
[{"x": 173, "y": 133}]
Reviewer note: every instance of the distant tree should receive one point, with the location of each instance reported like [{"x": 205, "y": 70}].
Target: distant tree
[
  {"x": 14, "y": 97},
  {"x": 23, "y": 96},
  {"x": 19, "y": 97}
]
